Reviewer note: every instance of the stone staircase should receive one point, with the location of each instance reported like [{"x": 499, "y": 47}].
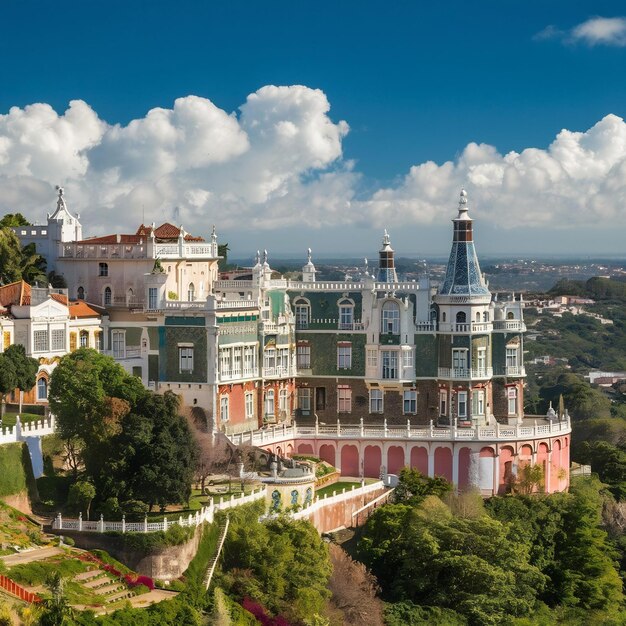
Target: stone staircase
[{"x": 107, "y": 588}]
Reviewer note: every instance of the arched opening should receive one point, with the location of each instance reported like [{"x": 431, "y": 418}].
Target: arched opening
[
  {"x": 80, "y": 293},
  {"x": 107, "y": 296},
  {"x": 486, "y": 469},
  {"x": 465, "y": 470},
  {"x": 372, "y": 460},
  {"x": 305, "y": 448},
  {"x": 443, "y": 463},
  {"x": 327, "y": 453},
  {"x": 191, "y": 293},
  {"x": 395, "y": 459},
  {"x": 350, "y": 461},
  {"x": 390, "y": 319},
  {"x": 510, "y": 315},
  {"x": 486, "y": 316},
  {"x": 477, "y": 317},
  {"x": 419, "y": 460},
  {"x": 461, "y": 317},
  {"x": 507, "y": 456},
  {"x": 443, "y": 317},
  {"x": 84, "y": 339},
  {"x": 42, "y": 389},
  {"x": 130, "y": 294}
]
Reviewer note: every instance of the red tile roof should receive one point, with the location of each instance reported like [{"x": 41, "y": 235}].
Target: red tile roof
[
  {"x": 59, "y": 297},
  {"x": 164, "y": 232},
  {"x": 79, "y": 308},
  {"x": 17, "y": 293}
]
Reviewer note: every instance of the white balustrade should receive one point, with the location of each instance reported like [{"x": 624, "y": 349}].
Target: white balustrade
[{"x": 206, "y": 514}]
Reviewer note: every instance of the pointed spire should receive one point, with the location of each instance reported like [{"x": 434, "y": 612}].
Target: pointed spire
[{"x": 463, "y": 275}]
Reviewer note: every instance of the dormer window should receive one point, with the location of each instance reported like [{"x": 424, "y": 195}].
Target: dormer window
[{"x": 390, "y": 319}]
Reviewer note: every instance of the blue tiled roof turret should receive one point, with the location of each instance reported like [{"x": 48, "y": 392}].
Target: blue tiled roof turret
[{"x": 463, "y": 275}]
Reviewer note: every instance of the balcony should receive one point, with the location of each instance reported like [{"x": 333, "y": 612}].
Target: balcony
[
  {"x": 465, "y": 373},
  {"x": 465, "y": 327},
  {"x": 328, "y": 324},
  {"x": 425, "y": 327},
  {"x": 510, "y": 325},
  {"x": 279, "y": 372},
  {"x": 511, "y": 370}
]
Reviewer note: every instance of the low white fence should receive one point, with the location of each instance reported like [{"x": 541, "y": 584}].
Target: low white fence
[
  {"x": 206, "y": 514},
  {"x": 497, "y": 432},
  {"x": 20, "y": 431},
  {"x": 344, "y": 494}
]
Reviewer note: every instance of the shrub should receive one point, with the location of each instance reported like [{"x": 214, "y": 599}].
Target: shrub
[
  {"x": 136, "y": 580},
  {"x": 135, "y": 510}
]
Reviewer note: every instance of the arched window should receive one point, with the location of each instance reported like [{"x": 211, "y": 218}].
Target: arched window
[
  {"x": 443, "y": 317},
  {"x": 191, "y": 293},
  {"x": 461, "y": 318},
  {"x": 80, "y": 293},
  {"x": 107, "y": 295},
  {"x": 510, "y": 315},
  {"x": 42, "y": 389},
  {"x": 303, "y": 313},
  {"x": 477, "y": 317},
  {"x": 346, "y": 314},
  {"x": 84, "y": 338},
  {"x": 486, "y": 316},
  {"x": 104, "y": 269},
  {"x": 390, "y": 319},
  {"x": 129, "y": 296}
]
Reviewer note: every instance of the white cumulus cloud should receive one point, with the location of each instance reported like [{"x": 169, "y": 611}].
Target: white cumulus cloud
[
  {"x": 277, "y": 163},
  {"x": 607, "y": 31}
]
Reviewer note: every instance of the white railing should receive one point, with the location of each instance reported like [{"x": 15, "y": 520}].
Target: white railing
[
  {"x": 183, "y": 304},
  {"x": 20, "y": 431},
  {"x": 340, "y": 496},
  {"x": 205, "y": 514},
  {"x": 273, "y": 372},
  {"x": 425, "y": 327},
  {"x": 465, "y": 327},
  {"x": 515, "y": 370},
  {"x": 498, "y": 432},
  {"x": 103, "y": 251},
  {"x": 185, "y": 250},
  {"x": 461, "y": 373},
  {"x": 513, "y": 325},
  {"x": 237, "y": 304}
]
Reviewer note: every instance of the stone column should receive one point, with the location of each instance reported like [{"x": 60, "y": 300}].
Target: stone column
[{"x": 431, "y": 462}]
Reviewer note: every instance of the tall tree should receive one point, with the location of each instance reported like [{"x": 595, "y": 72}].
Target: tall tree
[
  {"x": 8, "y": 380},
  {"x": 14, "y": 219},
  {"x": 10, "y": 256},
  {"x": 25, "y": 369}
]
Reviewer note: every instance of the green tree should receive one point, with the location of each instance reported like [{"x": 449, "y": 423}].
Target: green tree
[
  {"x": 80, "y": 392},
  {"x": 80, "y": 496},
  {"x": 25, "y": 368},
  {"x": 8, "y": 379},
  {"x": 57, "y": 611},
  {"x": 14, "y": 219},
  {"x": 427, "y": 556},
  {"x": 413, "y": 486},
  {"x": 10, "y": 257},
  {"x": 33, "y": 266}
]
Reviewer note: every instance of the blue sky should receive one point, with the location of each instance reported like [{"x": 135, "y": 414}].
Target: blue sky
[{"x": 413, "y": 81}]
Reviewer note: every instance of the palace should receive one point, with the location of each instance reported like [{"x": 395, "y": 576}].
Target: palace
[{"x": 370, "y": 374}]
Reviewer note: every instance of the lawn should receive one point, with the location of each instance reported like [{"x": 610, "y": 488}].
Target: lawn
[
  {"x": 338, "y": 487},
  {"x": 9, "y": 419}
]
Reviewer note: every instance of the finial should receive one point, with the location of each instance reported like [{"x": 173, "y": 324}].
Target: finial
[
  {"x": 264, "y": 257},
  {"x": 257, "y": 258},
  {"x": 386, "y": 240},
  {"x": 214, "y": 234},
  {"x": 60, "y": 190},
  {"x": 308, "y": 255}
]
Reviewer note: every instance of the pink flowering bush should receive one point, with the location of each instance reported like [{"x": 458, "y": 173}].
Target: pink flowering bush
[{"x": 260, "y": 614}]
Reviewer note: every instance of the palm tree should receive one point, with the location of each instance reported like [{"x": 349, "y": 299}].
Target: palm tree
[
  {"x": 57, "y": 610},
  {"x": 33, "y": 266}
]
